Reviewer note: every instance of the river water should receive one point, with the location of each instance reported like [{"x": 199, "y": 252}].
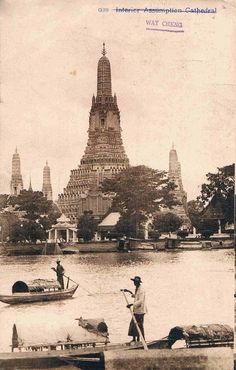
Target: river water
[{"x": 184, "y": 287}]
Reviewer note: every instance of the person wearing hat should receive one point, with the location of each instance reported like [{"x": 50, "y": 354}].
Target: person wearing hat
[
  {"x": 139, "y": 309},
  {"x": 60, "y": 272}
]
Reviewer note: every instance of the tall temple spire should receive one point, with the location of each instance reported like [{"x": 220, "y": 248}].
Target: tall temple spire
[
  {"x": 104, "y": 76},
  {"x": 179, "y": 193},
  {"x": 104, "y": 154},
  {"x": 47, "y": 187},
  {"x": 16, "y": 178}
]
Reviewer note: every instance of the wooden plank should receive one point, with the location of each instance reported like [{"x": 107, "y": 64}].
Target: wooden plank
[{"x": 82, "y": 359}]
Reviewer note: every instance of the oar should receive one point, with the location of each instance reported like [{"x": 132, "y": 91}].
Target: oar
[
  {"x": 70, "y": 279},
  {"x": 78, "y": 284},
  {"x": 136, "y": 324}
]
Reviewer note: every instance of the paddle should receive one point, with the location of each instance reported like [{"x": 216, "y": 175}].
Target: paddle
[{"x": 136, "y": 324}]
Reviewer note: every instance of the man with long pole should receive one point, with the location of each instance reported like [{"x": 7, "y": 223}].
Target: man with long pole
[
  {"x": 60, "y": 272},
  {"x": 136, "y": 328}
]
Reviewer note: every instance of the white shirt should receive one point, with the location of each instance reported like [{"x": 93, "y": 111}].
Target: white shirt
[{"x": 139, "y": 301}]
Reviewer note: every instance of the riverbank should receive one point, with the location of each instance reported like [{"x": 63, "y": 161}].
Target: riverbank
[{"x": 112, "y": 246}]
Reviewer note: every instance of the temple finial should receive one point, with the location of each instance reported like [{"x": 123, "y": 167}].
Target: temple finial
[
  {"x": 46, "y": 163},
  {"x": 173, "y": 145},
  {"x": 103, "y": 49},
  {"x": 16, "y": 150}
]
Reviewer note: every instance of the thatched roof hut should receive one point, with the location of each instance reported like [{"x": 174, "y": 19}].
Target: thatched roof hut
[
  {"x": 210, "y": 332},
  {"x": 37, "y": 285}
]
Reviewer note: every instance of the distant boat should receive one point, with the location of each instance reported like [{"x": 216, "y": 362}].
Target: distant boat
[
  {"x": 190, "y": 245},
  {"x": 39, "y": 290}
]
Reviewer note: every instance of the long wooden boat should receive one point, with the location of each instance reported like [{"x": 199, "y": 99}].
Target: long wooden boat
[
  {"x": 91, "y": 354},
  {"x": 195, "y": 337},
  {"x": 39, "y": 290}
]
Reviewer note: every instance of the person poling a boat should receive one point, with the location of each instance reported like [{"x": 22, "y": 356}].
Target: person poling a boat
[
  {"x": 139, "y": 309},
  {"x": 60, "y": 272}
]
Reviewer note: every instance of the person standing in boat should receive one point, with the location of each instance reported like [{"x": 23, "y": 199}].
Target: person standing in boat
[
  {"x": 139, "y": 309},
  {"x": 60, "y": 272}
]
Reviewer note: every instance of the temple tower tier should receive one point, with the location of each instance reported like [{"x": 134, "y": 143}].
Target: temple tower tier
[
  {"x": 16, "y": 184},
  {"x": 47, "y": 187},
  {"x": 104, "y": 154}
]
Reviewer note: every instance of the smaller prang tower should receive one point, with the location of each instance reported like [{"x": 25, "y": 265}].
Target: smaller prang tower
[
  {"x": 181, "y": 195},
  {"x": 16, "y": 178},
  {"x": 30, "y": 185},
  {"x": 47, "y": 187}
]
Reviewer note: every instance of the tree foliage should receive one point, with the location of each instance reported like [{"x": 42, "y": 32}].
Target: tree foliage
[
  {"x": 34, "y": 203},
  {"x": 128, "y": 225},
  {"x": 167, "y": 222},
  {"x": 141, "y": 189},
  {"x": 87, "y": 226},
  {"x": 215, "y": 202},
  {"x": 220, "y": 189},
  {"x": 138, "y": 192},
  {"x": 219, "y": 184},
  {"x": 28, "y": 230},
  {"x": 7, "y": 221},
  {"x": 38, "y": 216},
  {"x": 195, "y": 208}
]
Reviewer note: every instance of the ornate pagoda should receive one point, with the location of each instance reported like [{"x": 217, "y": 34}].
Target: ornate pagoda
[{"x": 104, "y": 155}]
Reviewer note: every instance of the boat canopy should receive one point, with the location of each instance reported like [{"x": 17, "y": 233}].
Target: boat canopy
[
  {"x": 96, "y": 326},
  {"x": 37, "y": 285},
  {"x": 210, "y": 332}
]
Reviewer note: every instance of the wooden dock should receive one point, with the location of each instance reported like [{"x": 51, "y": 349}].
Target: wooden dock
[{"x": 120, "y": 359}]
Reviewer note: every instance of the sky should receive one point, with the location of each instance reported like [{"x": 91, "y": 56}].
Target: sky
[{"x": 171, "y": 87}]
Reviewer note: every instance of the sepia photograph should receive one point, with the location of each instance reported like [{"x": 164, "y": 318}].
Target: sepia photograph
[{"x": 117, "y": 184}]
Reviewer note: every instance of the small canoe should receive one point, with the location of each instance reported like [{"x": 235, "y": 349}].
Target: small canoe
[{"x": 38, "y": 290}]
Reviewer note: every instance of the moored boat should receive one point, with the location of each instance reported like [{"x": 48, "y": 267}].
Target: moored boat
[
  {"x": 190, "y": 245},
  {"x": 38, "y": 290},
  {"x": 91, "y": 353}
]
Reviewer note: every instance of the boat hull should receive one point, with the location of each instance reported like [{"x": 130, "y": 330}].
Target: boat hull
[
  {"x": 182, "y": 358},
  {"x": 19, "y": 298}
]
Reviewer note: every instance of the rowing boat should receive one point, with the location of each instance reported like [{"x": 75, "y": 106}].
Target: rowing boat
[{"x": 39, "y": 290}]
